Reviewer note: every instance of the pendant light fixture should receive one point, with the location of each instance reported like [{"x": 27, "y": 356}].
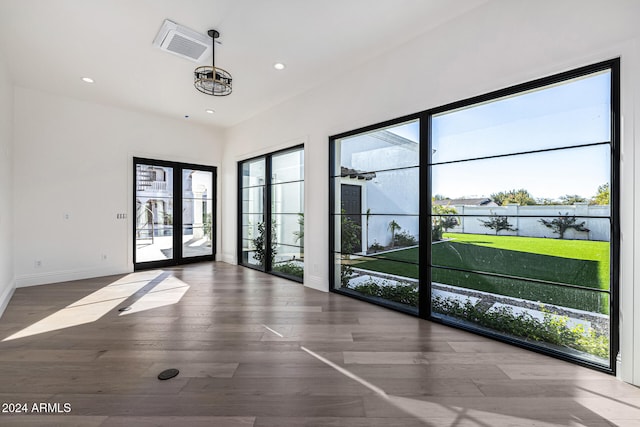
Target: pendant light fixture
[{"x": 211, "y": 79}]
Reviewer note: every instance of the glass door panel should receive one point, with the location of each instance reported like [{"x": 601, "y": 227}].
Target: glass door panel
[
  {"x": 154, "y": 213},
  {"x": 271, "y": 213},
  {"x": 174, "y": 213},
  {"x": 287, "y": 213},
  {"x": 253, "y": 231},
  {"x": 197, "y": 213}
]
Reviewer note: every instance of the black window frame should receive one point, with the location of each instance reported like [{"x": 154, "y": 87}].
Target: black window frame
[
  {"x": 425, "y": 164},
  {"x": 422, "y": 227},
  {"x": 267, "y": 213},
  {"x": 177, "y": 258}
]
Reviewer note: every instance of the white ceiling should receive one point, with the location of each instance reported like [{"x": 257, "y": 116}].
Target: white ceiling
[{"x": 50, "y": 45}]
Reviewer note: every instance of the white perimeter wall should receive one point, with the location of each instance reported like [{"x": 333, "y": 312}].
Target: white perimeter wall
[
  {"x": 497, "y": 45},
  {"x": 520, "y": 219},
  {"x": 75, "y": 158},
  {"x": 7, "y": 276}
]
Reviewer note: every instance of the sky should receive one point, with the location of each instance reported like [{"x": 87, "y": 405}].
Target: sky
[{"x": 564, "y": 115}]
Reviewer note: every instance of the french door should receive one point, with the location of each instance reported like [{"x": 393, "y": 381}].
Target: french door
[{"x": 174, "y": 213}]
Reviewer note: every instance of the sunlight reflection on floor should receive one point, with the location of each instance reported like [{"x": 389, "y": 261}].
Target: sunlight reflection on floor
[
  {"x": 94, "y": 306},
  {"x": 438, "y": 414},
  {"x": 169, "y": 291}
]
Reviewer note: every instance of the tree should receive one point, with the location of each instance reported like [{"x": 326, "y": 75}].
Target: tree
[
  {"x": 393, "y": 227},
  {"x": 349, "y": 238},
  {"x": 441, "y": 220},
  {"x": 300, "y": 233},
  {"x": 260, "y": 254},
  {"x": 604, "y": 195},
  {"x": 350, "y": 234},
  {"x": 562, "y": 223},
  {"x": 545, "y": 201},
  {"x": 498, "y": 223},
  {"x": 572, "y": 199},
  {"x": 521, "y": 197},
  {"x": 449, "y": 222},
  {"x": 207, "y": 225}
]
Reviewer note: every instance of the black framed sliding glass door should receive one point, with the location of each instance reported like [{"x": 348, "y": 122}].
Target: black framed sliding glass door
[{"x": 174, "y": 213}]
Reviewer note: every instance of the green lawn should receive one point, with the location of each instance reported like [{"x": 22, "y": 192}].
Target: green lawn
[
  {"x": 575, "y": 262},
  {"x": 387, "y": 263},
  {"x": 574, "y": 249}
]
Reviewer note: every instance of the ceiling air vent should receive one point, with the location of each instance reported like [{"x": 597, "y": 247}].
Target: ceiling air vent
[{"x": 183, "y": 41}]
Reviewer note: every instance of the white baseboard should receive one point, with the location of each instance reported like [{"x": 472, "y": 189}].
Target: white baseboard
[
  {"x": 316, "y": 282},
  {"x": 26, "y": 280},
  {"x": 229, "y": 258},
  {"x": 6, "y": 296}
]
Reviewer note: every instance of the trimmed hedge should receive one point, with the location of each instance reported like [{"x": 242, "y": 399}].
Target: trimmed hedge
[{"x": 553, "y": 329}]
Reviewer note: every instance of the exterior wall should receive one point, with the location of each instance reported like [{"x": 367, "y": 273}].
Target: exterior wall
[
  {"x": 395, "y": 192},
  {"x": 7, "y": 274},
  {"x": 73, "y": 175},
  {"x": 285, "y": 200},
  {"x": 495, "y": 46},
  {"x": 531, "y": 227}
]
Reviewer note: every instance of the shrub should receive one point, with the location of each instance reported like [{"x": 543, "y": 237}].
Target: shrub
[
  {"x": 290, "y": 268},
  {"x": 346, "y": 271},
  {"x": 498, "y": 223},
  {"x": 562, "y": 223},
  {"x": 259, "y": 241},
  {"x": 405, "y": 239},
  {"x": 449, "y": 222},
  {"x": 350, "y": 234},
  {"x": 441, "y": 220},
  {"x": 375, "y": 247},
  {"x": 393, "y": 227},
  {"x": 403, "y": 294},
  {"x": 207, "y": 225},
  {"x": 553, "y": 329}
]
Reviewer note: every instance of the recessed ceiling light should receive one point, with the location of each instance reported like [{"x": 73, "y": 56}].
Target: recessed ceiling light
[
  {"x": 87, "y": 79},
  {"x": 279, "y": 66},
  {"x": 210, "y": 111}
]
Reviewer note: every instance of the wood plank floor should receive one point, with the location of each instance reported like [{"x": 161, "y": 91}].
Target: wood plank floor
[{"x": 254, "y": 350}]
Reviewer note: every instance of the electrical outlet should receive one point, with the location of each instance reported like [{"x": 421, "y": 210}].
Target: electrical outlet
[
  {"x": 37, "y": 263},
  {"x": 103, "y": 257}
]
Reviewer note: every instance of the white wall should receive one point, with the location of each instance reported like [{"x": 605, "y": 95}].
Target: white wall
[
  {"x": 526, "y": 220},
  {"x": 498, "y": 45},
  {"x": 7, "y": 276},
  {"x": 75, "y": 158}
]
